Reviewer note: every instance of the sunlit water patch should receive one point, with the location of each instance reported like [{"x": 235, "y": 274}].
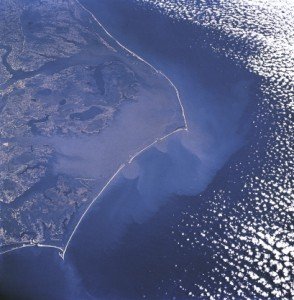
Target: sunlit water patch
[{"x": 248, "y": 224}]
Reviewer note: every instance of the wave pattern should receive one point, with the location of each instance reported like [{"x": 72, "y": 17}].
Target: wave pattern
[{"x": 248, "y": 223}]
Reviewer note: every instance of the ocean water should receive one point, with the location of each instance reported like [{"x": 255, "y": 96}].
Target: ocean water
[{"x": 128, "y": 247}]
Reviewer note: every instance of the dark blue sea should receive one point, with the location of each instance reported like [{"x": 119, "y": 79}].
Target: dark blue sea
[{"x": 127, "y": 247}]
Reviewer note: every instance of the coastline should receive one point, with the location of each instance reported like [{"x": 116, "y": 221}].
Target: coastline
[{"x": 62, "y": 251}]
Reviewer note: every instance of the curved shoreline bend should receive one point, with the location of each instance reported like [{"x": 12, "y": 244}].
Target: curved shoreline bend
[{"x": 62, "y": 251}]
